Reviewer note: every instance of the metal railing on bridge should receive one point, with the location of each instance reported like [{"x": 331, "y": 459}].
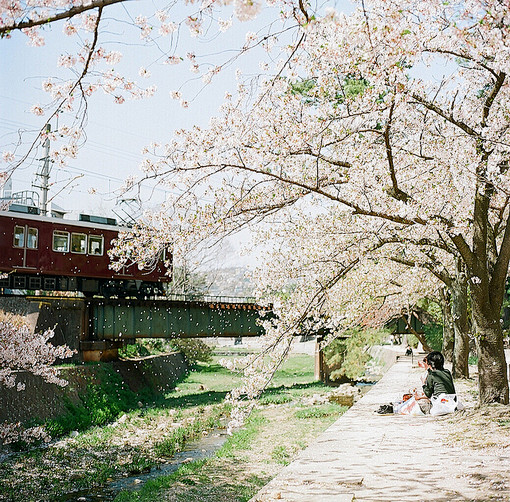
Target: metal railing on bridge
[{"x": 209, "y": 298}]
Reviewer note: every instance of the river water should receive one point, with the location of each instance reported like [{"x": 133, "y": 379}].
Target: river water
[{"x": 195, "y": 450}]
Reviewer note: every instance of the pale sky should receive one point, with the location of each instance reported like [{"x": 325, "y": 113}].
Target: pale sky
[{"x": 116, "y": 133}]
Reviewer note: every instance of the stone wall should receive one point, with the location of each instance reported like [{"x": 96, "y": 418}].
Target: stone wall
[
  {"x": 42, "y": 400},
  {"x": 66, "y": 316}
]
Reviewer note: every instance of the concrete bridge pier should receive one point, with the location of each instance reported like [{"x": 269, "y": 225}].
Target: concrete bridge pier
[
  {"x": 320, "y": 363},
  {"x": 70, "y": 319},
  {"x": 66, "y": 316}
]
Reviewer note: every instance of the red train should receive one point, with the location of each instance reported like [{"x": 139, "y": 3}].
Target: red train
[{"x": 53, "y": 254}]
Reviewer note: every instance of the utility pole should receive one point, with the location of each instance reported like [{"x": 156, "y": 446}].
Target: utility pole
[{"x": 45, "y": 173}]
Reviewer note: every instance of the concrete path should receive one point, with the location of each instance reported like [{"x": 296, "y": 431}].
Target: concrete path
[{"x": 364, "y": 456}]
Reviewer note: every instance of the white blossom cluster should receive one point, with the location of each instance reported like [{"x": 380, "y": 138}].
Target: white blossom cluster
[{"x": 22, "y": 350}]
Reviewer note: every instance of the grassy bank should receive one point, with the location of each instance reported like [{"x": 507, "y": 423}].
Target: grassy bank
[{"x": 128, "y": 439}]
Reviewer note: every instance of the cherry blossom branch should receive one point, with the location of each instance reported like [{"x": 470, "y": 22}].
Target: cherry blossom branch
[
  {"x": 447, "y": 116},
  {"x": 396, "y": 192},
  {"x": 492, "y": 96},
  {"x": 73, "y": 11},
  {"x": 460, "y": 55},
  {"x": 443, "y": 277},
  {"x": 69, "y": 93}
]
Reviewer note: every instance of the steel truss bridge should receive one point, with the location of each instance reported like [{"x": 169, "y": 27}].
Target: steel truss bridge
[{"x": 98, "y": 327}]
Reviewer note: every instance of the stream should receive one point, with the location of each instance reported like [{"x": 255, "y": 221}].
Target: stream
[{"x": 195, "y": 450}]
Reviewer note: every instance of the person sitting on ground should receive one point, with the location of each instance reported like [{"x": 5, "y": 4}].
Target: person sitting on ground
[{"x": 439, "y": 396}]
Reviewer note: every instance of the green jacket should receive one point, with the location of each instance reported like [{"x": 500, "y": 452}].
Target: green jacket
[{"x": 438, "y": 382}]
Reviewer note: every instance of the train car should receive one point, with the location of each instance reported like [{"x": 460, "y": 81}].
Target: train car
[{"x": 53, "y": 254}]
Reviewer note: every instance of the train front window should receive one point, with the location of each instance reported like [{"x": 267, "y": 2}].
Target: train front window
[
  {"x": 19, "y": 237},
  {"x": 96, "y": 245},
  {"x": 79, "y": 243},
  {"x": 60, "y": 241},
  {"x": 32, "y": 238}
]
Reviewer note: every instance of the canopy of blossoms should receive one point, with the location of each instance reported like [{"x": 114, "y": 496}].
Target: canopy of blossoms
[{"x": 397, "y": 117}]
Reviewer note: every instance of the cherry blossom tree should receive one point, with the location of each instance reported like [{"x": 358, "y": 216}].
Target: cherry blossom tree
[
  {"x": 398, "y": 114},
  {"x": 454, "y": 304},
  {"x": 22, "y": 350},
  {"x": 94, "y": 35}
]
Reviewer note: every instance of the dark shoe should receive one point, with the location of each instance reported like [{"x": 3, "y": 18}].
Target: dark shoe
[{"x": 385, "y": 409}]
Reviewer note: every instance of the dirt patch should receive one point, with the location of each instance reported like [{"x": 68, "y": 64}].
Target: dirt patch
[
  {"x": 481, "y": 428},
  {"x": 484, "y": 429}
]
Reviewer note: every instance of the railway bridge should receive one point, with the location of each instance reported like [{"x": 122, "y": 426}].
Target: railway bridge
[{"x": 96, "y": 328}]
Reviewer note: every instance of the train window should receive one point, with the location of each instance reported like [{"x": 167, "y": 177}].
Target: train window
[
  {"x": 60, "y": 241},
  {"x": 19, "y": 237},
  {"x": 32, "y": 238},
  {"x": 78, "y": 243},
  {"x": 96, "y": 245},
  {"x": 166, "y": 254}
]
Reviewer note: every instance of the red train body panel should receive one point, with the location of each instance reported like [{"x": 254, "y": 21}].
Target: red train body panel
[{"x": 72, "y": 253}]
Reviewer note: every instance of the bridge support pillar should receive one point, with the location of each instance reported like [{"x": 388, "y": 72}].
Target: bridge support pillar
[
  {"x": 100, "y": 350},
  {"x": 320, "y": 364},
  {"x": 67, "y": 317}
]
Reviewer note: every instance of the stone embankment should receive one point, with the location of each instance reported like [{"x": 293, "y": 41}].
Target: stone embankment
[{"x": 41, "y": 400}]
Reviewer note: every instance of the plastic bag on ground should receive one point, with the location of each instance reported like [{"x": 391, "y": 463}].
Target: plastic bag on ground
[
  {"x": 444, "y": 404},
  {"x": 409, "y": 407}
]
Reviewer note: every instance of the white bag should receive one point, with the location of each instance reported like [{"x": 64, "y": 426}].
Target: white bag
[
  {"x": 444, "y": 404},
  {"x": 409, "y": 407}
]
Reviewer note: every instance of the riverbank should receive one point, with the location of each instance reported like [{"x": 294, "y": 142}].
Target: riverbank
[
  {"x": 41, "y": 400},
  {"x": 83, "y": 465}
]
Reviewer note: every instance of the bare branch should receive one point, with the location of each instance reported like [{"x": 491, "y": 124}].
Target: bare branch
[{"x": 73, "y": 11}]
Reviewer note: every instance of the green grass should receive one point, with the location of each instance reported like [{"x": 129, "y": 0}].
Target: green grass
[
  {"x": 280, "y": 455},
  {"x": 179, "y": 436},
  {"x": 473, "y": 360},
  {"x": 298, "y": 369},
  {"x": 150, "y": 491},
  {"x": 56, "y": 471},
  {"x": 242, "y": 439},
  {"x": 274, "y": 396},
  {"x": 293, "y": 381},
  {"x": 320, "y": 411},
  {"x": 105, "y": 400},
  {"x": 191, "y": 474}
]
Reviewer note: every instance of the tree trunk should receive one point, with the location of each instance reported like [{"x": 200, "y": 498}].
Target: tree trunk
[
  {"x": 448, "y": 332},
  {"x": 488, "y": 269},
  {"x": 420, "y": 336},
  {"x": 492, "y": 371},
  {"x": 459, "y": 302}
]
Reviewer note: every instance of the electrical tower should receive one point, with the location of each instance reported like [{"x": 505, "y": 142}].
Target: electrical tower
[{"x": 44, "y": 175}]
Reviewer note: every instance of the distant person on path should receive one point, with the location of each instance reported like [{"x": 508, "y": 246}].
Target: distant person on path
[
  {"x": 409, "y": 351},
  {"x": 439, "y": 394}
]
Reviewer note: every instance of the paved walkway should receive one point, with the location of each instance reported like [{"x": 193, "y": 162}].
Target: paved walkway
[{"x": 364, "y": 456}]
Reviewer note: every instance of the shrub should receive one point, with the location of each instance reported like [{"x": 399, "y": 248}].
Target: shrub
[
  {"x": 193, "y": 350},
  {"x": 102, "y": 403},
  {"x": 347, "y": 357}
]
